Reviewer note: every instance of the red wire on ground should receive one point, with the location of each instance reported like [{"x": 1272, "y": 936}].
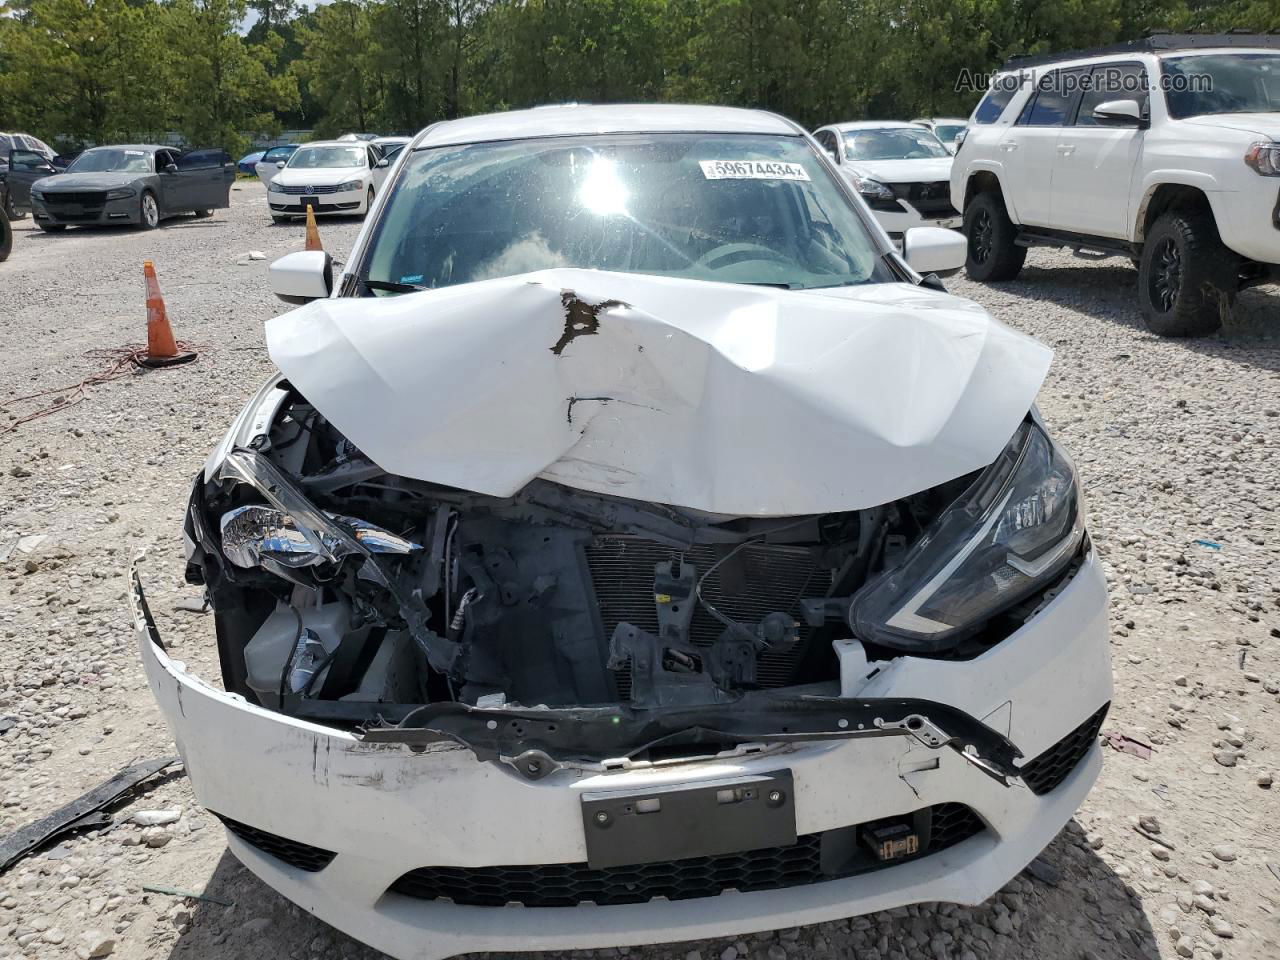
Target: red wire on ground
[{"x": 120, "y": 361}]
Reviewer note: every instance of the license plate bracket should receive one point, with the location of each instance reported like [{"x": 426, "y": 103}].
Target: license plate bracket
[{"x": 736, "y": 814}]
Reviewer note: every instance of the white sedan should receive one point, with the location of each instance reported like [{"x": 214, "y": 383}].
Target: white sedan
[{"x": 328, "y": 177}]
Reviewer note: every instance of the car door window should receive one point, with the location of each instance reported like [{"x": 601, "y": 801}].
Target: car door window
[
  {"x": 827, "y": 140},
  {"x": 27, "y": 160},
  {"x": 1114, "y": 81},
  {"x": 993, "y": 104},
  {"x": 1054, "y": 101}
]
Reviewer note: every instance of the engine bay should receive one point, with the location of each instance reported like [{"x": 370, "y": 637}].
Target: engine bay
[{"x": 337, "y": 586}]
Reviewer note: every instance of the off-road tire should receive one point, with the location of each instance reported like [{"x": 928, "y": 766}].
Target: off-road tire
[
  {"x": 990, "y": 234},
  {"x": 1187, "y": 280},
  {"x": 52, "y": 227}
]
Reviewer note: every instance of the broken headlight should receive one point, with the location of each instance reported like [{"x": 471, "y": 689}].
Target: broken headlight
[
  {"x": 1018, "y": 525},
  {"x": 250, "y": 534}
]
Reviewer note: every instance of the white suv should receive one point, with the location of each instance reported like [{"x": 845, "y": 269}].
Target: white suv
[{"x": 1166, "y": 151}]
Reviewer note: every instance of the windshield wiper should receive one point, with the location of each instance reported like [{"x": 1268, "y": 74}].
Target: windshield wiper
[{"x": 391, "y": 286}]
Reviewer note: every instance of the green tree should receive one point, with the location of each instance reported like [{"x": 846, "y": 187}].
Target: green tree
[
  {"x": 341, "y": 66},
  {"x": 224, "y": 86}
]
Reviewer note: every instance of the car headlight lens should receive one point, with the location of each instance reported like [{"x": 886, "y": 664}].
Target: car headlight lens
[
  {"x": 1017, "y": 527},
  {"x": 37, "y": 195},
  {"x": 275, "y": 186},
  {"x": 253, "y": 534},
  {"x": 872, "y": 189},
  {"x": 351, "y": 185},
  {"x": 123, "y": 193},
  {"x": 1264, "y": 158}
]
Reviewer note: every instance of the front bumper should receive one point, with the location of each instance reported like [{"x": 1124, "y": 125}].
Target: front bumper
[
  {"x": 385, "y": 811},
  {"x": 348, "y": 201},
  {"x": 1249, "y": 221},
  {"x": 123, "y": 211}
]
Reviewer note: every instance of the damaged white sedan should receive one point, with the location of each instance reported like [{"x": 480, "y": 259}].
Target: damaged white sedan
[{"x": 635, "y": 548}]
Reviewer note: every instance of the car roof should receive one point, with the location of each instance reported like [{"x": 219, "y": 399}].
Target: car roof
[
  {"x": 131, "y": 146},
  {"x": 941, "y": 120},
  {"x": 874, "y": 125},
  {"x": 580, "y": 119},
  {"x": 333, "y": 143}
]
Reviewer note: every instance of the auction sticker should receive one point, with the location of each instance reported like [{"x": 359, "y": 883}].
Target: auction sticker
[{"x": 752, "y": 170}]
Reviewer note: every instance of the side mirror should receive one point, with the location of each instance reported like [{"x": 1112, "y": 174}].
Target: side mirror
[
  {"x": 1119, "y": 113},
  {"x": 302, "y": 277},
  {"x": 934, "y": 250},
  {"x": 279, "y": 164},
  {"x": 384, "y": 162},
  {"x": 170, "y": 168}
]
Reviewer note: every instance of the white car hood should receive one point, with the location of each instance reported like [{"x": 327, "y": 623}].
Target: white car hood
[
  {"x": 718, "y": 397},
  {"x": 319, "y": 176},
  {"x": 903, "y": 171},
  {"x": 1263, "y": 124}
]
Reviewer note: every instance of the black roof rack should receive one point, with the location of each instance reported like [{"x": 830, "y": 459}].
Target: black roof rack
[{"x": 1153, "y": 42}]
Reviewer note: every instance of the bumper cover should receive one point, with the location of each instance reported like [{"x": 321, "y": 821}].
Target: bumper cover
[
  {"x": 73, "y": 214},
  {"x": 387, "y": 809}
]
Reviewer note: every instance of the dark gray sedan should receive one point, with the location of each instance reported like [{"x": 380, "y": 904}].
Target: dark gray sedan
[{"x": 134, "y": 184}]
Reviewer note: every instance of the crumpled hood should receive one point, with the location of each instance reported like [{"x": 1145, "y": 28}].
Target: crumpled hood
[
  {"x": 718, "y": 397},
  {"x": 1261, "y": 124},
  {"x": 903, "y": 171},
  {"x": 88, "y": 181}
]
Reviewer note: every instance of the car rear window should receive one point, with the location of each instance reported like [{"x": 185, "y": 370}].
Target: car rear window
[{"x": 993, "y": 104}]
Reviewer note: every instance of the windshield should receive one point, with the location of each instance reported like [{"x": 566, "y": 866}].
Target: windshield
[
  {"x": 732, "y": 208},
  {"x": 947, "y": 132},
  {"x": 315, "y": 158},
  {"x": 1222, "y": 83},
  {"x": 112, "y": 160},
  {"x": 893, "y": 143}
]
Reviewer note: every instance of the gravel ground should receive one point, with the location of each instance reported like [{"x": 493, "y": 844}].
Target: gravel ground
[{"x": 1178, "y": 444}]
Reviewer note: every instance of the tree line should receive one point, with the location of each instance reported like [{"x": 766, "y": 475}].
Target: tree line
[{"x": 100, "y": 71}]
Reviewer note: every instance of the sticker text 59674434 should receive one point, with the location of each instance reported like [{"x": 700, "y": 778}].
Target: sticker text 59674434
[{"x": 752, "y": 170}]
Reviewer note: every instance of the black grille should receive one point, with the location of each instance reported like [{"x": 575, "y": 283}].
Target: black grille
[
  {"x": 569, "y": 884},
  {"x": 58, "y": 198},
  {"x": 760, "y": 579},
  {"x": 303, "y": 856},
  {"x": 931, "y": 199},
  {"x": 1047, "y": 771},
  {"x": 308, "y": 191}
]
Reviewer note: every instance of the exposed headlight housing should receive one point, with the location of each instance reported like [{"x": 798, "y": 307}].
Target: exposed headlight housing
[
  {"x": 351, "y": 185},
  {"x": 275, "y": 186},
  {"x": 124, "y": 193},
  {"x": 1264, "y": 157},
  {"x": 253, "y": 534},
  {"x": 1016, "y": 528}
]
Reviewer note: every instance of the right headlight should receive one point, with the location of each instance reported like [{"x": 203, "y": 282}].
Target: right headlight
[
  {"x": 275, "y": 186},
  {"x": 1264, "y": 158},
  {"x": 1015, "y": 529},
  {"x": 872, "y": 189}
]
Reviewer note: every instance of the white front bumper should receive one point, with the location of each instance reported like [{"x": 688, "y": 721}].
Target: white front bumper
[{"x": 386, "y": 810}]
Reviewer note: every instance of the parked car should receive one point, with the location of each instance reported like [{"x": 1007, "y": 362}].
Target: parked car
[
  {"x": 386, "y": 145},
  {"x": 271, "y": 161},
  {"x": 329, "y": 177},
  {"x": 138, "y": 184},
  {"x": 1166, "y": 152},
  {"x": 23, "y": 168},
  {"x": 947, "y": 129},
  {"x": 249, "y": 162},
  {"x": 901, "y": 170},
  {"x": 627, "y": 482},
  {"x": 28, "y": 144}
]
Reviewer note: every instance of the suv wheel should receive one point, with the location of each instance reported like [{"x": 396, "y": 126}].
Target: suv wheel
[
  {"x": 993, "y": 254},
  {"x": 1187, "y": 280}
]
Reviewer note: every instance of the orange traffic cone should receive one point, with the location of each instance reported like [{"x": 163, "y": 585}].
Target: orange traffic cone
[
  {"x": 162, "y": 349},
  {"x": 313, "y": 234}
]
